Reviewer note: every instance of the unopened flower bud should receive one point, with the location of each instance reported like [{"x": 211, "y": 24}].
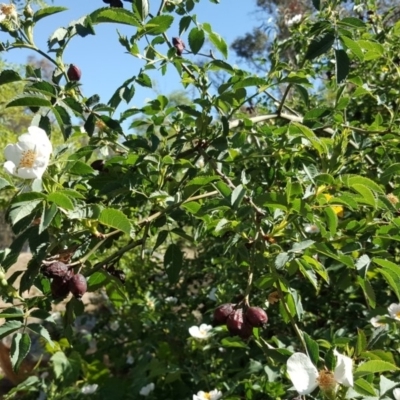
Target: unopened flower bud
[{"x": 74, "y": 73}]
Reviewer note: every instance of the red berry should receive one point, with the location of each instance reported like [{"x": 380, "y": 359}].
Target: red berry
[
  {"x": 256, "y": 317},
  {"x": 237, "y": 325},
  {"x": 74, "y": 73},
  {"x": 78, "y": 285},
  {"x": 222, "y": 313}
]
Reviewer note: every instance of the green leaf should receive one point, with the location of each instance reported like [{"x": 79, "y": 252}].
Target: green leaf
[
  {"x": 45, "y": 12},
  {"x": 184, "y": 24},
  {"x": 41, "y": 331},
  {"x": 142, "y": 8},
  {"x": 203, "y": 180},
  {"x": 4, "y": 183},
  {"x": 375, "y": 366},
  {"x": 196, "y": 39},
  {"x": 8, "y": 76},
  {"x": 159, "y": 24},
  {"x": 312, "y": 348},
  {"x": 173, "y": 261},
  {"x": 219, "y": 43},
  {"x": 9, "y": 327},
  {"x": 61, "y": 200},
  {"x": 368, "y": 196},
  {"x": 237, "y": 196},
  {"x": 114, "y": 15},
  {"x": 320, "y": 46},
  {"x": 47, "y": 217},
  {"x": 64, "y": 120},
  {"x": 233, "y": 342},
  {"x": 21, "y": 210},
  {"x": 80, "y": 168},
  {"x": 20, "y": 346},
  {"x": 350, "y": 180},
  {"x": 368, "y": 291},
  {"x": 332, "y": 220},
  {"x": 310, "y": 135},
  {"x": 161, "y": 237},
  {"x": 115, "y": 219},
  {"x": 353, "y": 47},
  {"x": 342, "y": 65},
  {"x": 361, "y": 342},
  {"x": 29, "y": 101},
  {"x": 364, "y": 387}
]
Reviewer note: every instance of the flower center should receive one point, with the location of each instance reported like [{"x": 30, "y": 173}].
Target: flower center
[
  {"x": 28, "y": 158},
  {"x": 397, "y": 315},
  {"x": 7, "y": 9},
  {"x": 207, "y": 395},
  {"x": 326, "y": 381}
]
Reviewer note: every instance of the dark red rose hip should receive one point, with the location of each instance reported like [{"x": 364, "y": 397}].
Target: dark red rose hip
[
  {"x": 59, "y": 288},
  {"x": 74, "y": 73},
  {"x": 256, "y": 317},
  {"x": 179, "y": 45},
  {"x": 56, "y": 269},
  {"x": 222, "y": 313},
  {"x": 78, "y": 285},
  {"x": 237, "y": 325}
]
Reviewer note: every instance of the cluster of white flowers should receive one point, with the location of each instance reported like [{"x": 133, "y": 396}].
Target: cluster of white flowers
[
  {"x": 29, "y": 158},
  {"x": 306, "y": 378},
  {"x": 213, "y": 395},
  {"x": 201, "y": 332}
]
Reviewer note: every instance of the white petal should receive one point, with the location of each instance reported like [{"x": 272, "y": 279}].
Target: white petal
[
  {"x": 41, "y": 137},
  {"x": 394, "y": 311},
  {"x": 302, "y": 373},
  {"x": 194, "y": 331},
  {"x": 10, "y": 167},
  {"x": 215, "y": 394},
  {"x": 200, "y": 396},
  {"x": 2, "y": 17},
  {"x": 396, "y": 394},
  {"x": 29, "y": 173},
  {"x": 12, "y": 153},
  {"x": 344, "y": 369}
]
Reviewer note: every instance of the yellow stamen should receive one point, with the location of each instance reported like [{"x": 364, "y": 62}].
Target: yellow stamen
[
  {"x": 326, "y": 381},
  {"x": 28, "y": 159},
  {"x": 8, "y": 10}
]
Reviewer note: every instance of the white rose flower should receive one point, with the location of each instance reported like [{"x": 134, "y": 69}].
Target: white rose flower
[
  {"x": 213, "y": 395},
  {"x": 376, "y": 322},
  {"x": 89, "y": 389},
  {"x": 146, "y": 390},
  {"x": 396, "y": 394},
  {"x": 394, "y": 311},
  {"x": 306, "y": 378},
  {"x": 29, "y": 158},
  {"x": 311, "y": 228},
  {"x": 200, "y": 332}
]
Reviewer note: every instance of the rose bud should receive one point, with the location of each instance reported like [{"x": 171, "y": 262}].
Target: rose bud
[
  {"x": 237, "y": 325},
  {"x": 59, "y": 288},
  {"x": 57, "y": 270},
  {"x": 74, "y": 73},
  {"x": 78, "y": 285},
  {"x": 179, "y": 45},
  {"x": 256, "y": 317},
  {"x": 222, "y": 313}
]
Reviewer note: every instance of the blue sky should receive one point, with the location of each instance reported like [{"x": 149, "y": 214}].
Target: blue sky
[{"x": 104, "y": 62}]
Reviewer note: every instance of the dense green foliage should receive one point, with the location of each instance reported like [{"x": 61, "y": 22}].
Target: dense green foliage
[{"x": 291, "y": 205}]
